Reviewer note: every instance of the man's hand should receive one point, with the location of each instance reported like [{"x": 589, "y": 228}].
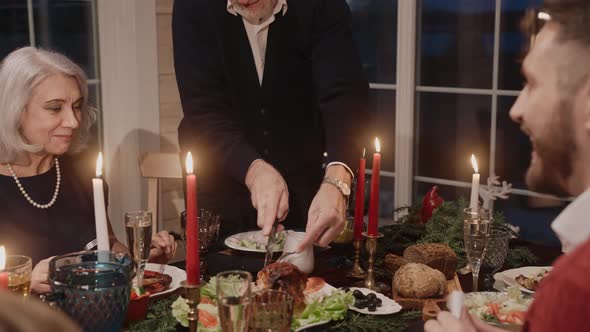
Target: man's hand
[
  {"x": 327, "y": 214},
  {"x": 269, "y": 194},
  {"x": 445, "y": 322}
]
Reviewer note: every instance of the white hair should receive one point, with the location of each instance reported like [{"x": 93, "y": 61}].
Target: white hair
[{"x": 20, "y": 73}]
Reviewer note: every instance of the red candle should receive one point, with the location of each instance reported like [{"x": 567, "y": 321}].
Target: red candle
[
  {"x": 359, "y": 208},
  {"x": 3, "y": 275},
  {"x": 193, "y": 273},
  {"x": 374, "y": 199}
]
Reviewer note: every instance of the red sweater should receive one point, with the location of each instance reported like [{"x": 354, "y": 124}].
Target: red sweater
[{"x": 562, "y": 302}]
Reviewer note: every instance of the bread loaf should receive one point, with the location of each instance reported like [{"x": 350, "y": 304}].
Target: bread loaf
[
  {"x": 394, "y": 262},
  {"x": 415, "y": 280},
  {"x": 436, "y": 255}
]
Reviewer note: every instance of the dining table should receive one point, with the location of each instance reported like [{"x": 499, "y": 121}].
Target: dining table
[{"x": 331, "y": 264}]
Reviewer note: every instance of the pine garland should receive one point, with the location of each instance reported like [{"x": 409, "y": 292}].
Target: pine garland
[
  {"x": 159, "y": 318},
  {"x": 445, "y": 226}
]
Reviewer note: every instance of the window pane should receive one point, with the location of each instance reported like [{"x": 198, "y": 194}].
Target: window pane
[
  {"x": 456, "y": 43},
  {"x": 67, "y": 26},
  {"x": 382, "y": 106},
  {"x": 450, "y": 128},
  {"x": 513, "y": 147},
  {"x": 512, "y": 41},
  {"x": 533, "y": 215},
  {"x": 14, "y": 27},
  {"x": 374, "y": 25}
]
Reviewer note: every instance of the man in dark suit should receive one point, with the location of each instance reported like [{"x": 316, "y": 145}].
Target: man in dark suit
[{"x": 266, "y": 87}]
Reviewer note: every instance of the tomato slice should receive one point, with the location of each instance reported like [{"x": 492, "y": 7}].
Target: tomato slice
[{"x": 207, "y": 319}]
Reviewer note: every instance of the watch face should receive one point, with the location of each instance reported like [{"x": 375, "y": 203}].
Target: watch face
[{"x": 345, "y": 189}]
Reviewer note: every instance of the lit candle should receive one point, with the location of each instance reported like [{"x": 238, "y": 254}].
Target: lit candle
[
  {"x": 100, "y": 213},
  {"x": 473, "y": 202},
  {"x": 193, "y": 274},
  {"x": 359, "y": 208},
  {"x": 3, "y": 275},
  {"x": 374, "y": 199}
]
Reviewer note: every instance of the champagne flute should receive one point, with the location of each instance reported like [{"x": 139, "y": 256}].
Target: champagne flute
[
  {"x": 476, "y": 232},
  {"x": 233, "y": 300},
  {"x": 138, "y": 226}
]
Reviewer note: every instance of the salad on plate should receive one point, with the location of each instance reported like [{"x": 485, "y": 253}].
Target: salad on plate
[{"x": 499, "y": 308}]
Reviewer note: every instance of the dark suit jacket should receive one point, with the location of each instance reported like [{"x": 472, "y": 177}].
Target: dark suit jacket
[{"x": 313, "y": 97}]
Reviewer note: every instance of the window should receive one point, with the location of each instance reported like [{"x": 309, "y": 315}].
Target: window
[
  {"x": 468, "y": 77},
  {"x": 374, "y": 25}
]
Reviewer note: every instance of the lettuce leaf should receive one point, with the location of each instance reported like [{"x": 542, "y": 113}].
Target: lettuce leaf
[{"x": 332, "y": 307}]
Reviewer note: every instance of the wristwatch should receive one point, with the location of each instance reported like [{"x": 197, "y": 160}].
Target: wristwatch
[{"x": 341, "y": 185}]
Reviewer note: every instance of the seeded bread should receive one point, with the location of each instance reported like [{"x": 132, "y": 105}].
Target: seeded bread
[
  {"x": 436, "y": 255},
  {"x": 393, "y": 262}
]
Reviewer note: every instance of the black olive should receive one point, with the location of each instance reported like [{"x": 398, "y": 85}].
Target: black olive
[
  {"x": 371, "y": 296},
  {"x": 346, "y": 289},
  {"x": 372, "y": 307},
  {"x": 361, "y": 304},
  {"x": 379, "y": 302},
  {"x": 357, "y": 294}
]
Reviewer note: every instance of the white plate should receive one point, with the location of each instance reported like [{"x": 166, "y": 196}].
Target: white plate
[
  {"x": 177, "y": 275},
  {"x": 234, "y": 241},
  {"x": 508, "y": 277},
  {"x": 388, "y": 306},
  {"x": 312, "y": 325}
]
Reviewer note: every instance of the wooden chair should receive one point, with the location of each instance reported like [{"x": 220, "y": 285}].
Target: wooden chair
[{"x": 155, "y": 166}]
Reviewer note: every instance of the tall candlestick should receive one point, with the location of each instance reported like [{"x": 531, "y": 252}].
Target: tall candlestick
[
  {"x": 100, "y": 213},
  {"x": 374, "y": 199},
  {"x": 359, "y": 209},
  {"x": 474, "y": 202},
  {"x": 193, "y": 273},
  {"x": 3, "y": 275}
]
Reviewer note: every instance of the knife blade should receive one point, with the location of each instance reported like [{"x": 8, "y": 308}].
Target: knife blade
[{"x": 270, "y": 243}]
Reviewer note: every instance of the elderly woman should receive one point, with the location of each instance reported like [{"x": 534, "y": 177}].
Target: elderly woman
[{"x": 46, "y": 206}]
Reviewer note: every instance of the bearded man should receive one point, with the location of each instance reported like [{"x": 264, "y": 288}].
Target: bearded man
[{"x": 553, "y": 109}]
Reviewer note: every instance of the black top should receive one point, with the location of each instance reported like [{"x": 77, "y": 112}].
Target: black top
[
  {"x": 313, "y": 97},
  {"x": 65, "y": 227}
]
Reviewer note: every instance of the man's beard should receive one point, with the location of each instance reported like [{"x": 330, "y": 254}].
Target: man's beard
[
  {"x": 256, "y": 15},
  {"x": 555, "y": 151}
]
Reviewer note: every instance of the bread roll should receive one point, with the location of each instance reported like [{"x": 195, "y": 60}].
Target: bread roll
[
  {"x": 415, "y": 280},
  {"x": 436, "y": 255}
]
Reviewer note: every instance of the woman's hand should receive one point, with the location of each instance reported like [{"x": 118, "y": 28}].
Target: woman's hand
[
  {"x": 40, "y": 277},
  {"x": 163, "y": 248}
]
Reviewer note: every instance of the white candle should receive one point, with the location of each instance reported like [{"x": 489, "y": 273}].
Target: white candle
[
  {"x": 473, "y": 202},
  {"x": 100, "y": 213}
]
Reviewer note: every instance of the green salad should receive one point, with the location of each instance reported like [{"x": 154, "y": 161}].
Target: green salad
[{"x": 259, "y": 243}]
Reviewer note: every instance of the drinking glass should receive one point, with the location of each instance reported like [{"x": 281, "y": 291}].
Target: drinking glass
[
  {"x": 92, "y": 287},
  {"x": 495, "y": 254},
  {"x": 138, "y": 226},
  {"x": 19, "y": 270},
  {"x": 476, "y": 232},
  {"x": 233, "y": 300},
  {"x": 272, "y": 311}
]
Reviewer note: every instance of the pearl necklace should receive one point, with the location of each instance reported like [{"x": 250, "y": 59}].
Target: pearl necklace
[{"x": 29, "y": 199}]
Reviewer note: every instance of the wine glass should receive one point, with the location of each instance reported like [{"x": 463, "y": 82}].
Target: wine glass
[
  {"x": 138, "y": 226},
  {"x": 233, "y": 300},
  {"x": 476, "y": 232}
]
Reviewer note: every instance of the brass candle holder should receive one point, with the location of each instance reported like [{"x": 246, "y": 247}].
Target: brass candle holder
[
  {"x": 369, "y": 282},
  {"x": 192, "y": 294},
  {"x": 357, "y": 271}
]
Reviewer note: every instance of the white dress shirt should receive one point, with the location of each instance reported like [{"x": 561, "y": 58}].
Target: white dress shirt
[{"x": 572, "y": 225}]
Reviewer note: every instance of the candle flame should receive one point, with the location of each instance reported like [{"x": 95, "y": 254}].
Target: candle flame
[
  {"x": 2, "y": 258},
  {"x": 99, "y": 165},
  {"x": 377, "y": 145},
  {"x": 364, "y": 151},
  {"x": 189, "y": 163},
  {"x": 474, "y": 164}
]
